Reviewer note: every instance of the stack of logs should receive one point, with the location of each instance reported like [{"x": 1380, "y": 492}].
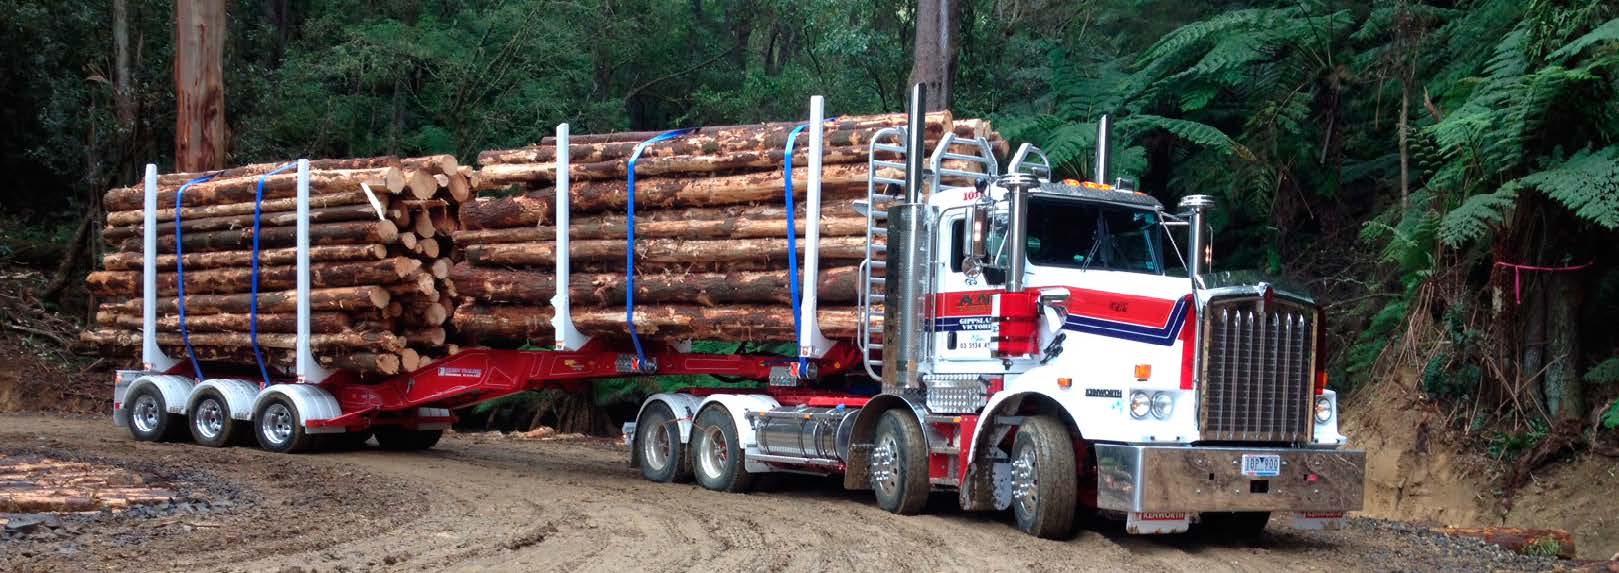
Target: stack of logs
[
  {"x": 710, "y": 228},
  {"x": 379, "y": 231}
]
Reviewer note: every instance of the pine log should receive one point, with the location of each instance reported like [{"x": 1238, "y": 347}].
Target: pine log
[
  {"x": 124, "y": 260},
  {"x": 837, "y": 285},
  {"x": 439, "y": 268},
  {"x": 838, "y": 219},
  {"x": 421, "y": 184},
  {"x": 737, "y": 323},
  {"x": 502, "y": 174},
  {"x": 245, "y": 189},
  {"x": 431, "y": 337},
  {"x": 380, "y": 363},
  {"x": 417, "y": 285},
  {"x": 424, "y": 315},
  {"x": 272, "y": 278},
  {"x": 371, "y": 340},
  {"x": 837, "y": 182},
  {"x": 347, "y": 233},
  {"x": 428, "y": 248},
  {"x": 362, "y": 212},
  {"x": 284, "y": 360},
  {"x": 409, "y": 359},
  {"x": 361, "y": 298},
  {"x": 319, "y": 322},
  {"x": 256, "y": 169},
  {"x": 842, "y": 123},
  {"x": 137, "y": 217},
  {"x": 705, "y": 142},
  {"x": 663, "y": 250}
]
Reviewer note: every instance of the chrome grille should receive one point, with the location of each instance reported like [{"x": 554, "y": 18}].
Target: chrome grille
[{"x": 1258, "y": 365}]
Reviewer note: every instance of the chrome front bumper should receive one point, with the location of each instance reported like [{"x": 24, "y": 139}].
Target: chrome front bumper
[{"x": 1194, "y": 479}]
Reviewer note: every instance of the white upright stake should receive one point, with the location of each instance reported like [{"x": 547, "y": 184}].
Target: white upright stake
[
  {"x": 308, "y": 369},
  {"x": 152, "y": 357},
  {"x": 812, "y": 344},
  {"x": 568, "y": 337}
]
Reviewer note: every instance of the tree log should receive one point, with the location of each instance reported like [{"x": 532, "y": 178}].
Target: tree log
[
  {"x": 721, "y": 141},
  {"x": 137, "y": 217},
  {"x": 738, "y": 323},
  {"x": 663, "y": 251},
  {"x": 256, "y": 169},
  {"x": 837, "y": 285},
  {"x": 372, "y": 340},
  {"x": 431, "y": 337},
  {"x": 359, "y": 212},
  {"x": 123, "y": 260},
  {"x": 838, "y": 219},
  {"x": 348, "y": 233},
  {"x": 842, "y": 123},
  {"x": 319, "y": 322},
  {"x": 245, "y": 189},
  {"x": 502, "y": 174},
  {"x": 361, "y": 298},
  {"x": 237, "y": 280}
]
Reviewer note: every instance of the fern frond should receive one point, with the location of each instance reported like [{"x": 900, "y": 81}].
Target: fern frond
[
  {"x": 1588, "y": 184},
  {"x": 1608, "y": 32},
  {"x": 1193, "y": 132},
  {"x": 1477, "y": 216}
]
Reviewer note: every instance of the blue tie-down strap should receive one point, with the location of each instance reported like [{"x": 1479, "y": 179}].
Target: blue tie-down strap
[
  {"x": 180, "y": 272},
  {"x": 792, "y": 243},
  {"x": 253, "y": 299},
  {"x": 629, "y": 243}
]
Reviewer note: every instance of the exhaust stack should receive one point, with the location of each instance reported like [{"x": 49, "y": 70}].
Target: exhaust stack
[
  {"x": 1103, "y": 127},
  {"x": 905, "y": 297}
]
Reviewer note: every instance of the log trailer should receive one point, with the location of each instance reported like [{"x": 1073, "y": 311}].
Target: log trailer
[{"x": 1035, "y": 352}]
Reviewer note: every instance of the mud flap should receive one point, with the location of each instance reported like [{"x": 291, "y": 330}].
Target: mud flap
[{"x": 1143, "y": 523}]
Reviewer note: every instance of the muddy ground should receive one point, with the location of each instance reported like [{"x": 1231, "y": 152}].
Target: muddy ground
[{"x": 487, "y": 502}]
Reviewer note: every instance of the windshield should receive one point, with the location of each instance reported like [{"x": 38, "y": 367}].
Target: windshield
[{"x": 1079, "y": 235}]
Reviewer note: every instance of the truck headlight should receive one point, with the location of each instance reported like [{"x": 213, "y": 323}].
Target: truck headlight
[
  {"x": 1162, "y": 405},
  {"x": 1139, "y": 404},
  {"x": 1323, "y": 410}
]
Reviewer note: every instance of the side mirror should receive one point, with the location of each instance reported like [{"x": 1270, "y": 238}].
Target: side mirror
[{"x": 978, "y": 233}]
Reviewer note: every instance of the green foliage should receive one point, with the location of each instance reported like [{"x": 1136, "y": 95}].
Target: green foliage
[
  {"x": 1508, "y": 445},
  {"x": 1610, "y": 419},
  {"x": 1543, "y": 547},
  {"x": 1476, "y": 216},
  {"x": 1587, "y": 184}
]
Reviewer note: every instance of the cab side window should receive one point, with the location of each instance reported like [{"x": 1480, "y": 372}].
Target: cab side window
[{"x": 957, "y": 252}]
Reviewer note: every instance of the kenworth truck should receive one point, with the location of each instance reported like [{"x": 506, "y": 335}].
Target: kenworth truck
[{"x": 1033, "y": 343}]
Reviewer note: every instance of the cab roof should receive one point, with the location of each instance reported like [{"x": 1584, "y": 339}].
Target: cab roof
[{"x": 1099, "y": 192}]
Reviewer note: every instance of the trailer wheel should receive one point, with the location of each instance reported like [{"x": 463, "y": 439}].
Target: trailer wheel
[
  {"x": 279, "y": 427},
  {"x": 210, "y": 421},
  {"x": 899, "y": 464},
  {"x": 402, "y": 440},
  {"x": 150, "y": 420},
  {"x": 658, "y": 448},
  {"x": 1043, "y": 478},
  {"x": 717, "y": 454}
]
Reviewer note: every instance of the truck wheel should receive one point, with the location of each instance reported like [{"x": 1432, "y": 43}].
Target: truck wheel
[
  {"x": 899, "y": 464},
  {"x": 402, "y": 440},
  {"x": 210, "y": 421},
  {"x": 1238, "y": 526},
  {"x": 1043, "y": 476},
  {"x": 279, "y": 427},
  {"x": 657, "y": 446},
  {"x": 150, "y": 420},
  {"x": 716, "y": 454}
]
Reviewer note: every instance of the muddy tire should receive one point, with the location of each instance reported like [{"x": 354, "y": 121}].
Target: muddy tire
[
  {"x": 402, "y": 440},
  {"x": 1043, "y": 478},
  {"x": 150, "y": 420},
  {"x": 279, "y": 427},
  {"x": 658, "y": 449},
  {"x": 899, "y": 464},
  {"x": 716, "y": 454},
  {"x": 1238, "y": 526},
  {"x": 210, "y": 421}
]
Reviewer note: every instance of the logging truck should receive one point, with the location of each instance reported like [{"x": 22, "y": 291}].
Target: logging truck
[{"x": 1023, "y": 343}]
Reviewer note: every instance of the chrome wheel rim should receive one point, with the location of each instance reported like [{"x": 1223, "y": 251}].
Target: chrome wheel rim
[
  {"x": 277, "y": 424},
  {"x": 1025, "y": 487},
  {"x": 713, "y": 452},
  {"x": 146, "y": 414},
  {"x": 885, "y": 465},
  {"x": 210, "y": 418},
  {"x": 656, "y": 452}
]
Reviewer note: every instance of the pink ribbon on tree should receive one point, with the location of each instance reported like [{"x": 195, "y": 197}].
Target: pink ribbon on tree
[{"x": 1517, "y": 275}]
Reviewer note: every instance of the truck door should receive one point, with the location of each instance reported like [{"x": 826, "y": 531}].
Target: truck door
[{"x": 964, "y": 329}]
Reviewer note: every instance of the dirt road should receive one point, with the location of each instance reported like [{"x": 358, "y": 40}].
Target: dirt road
[{"x": 483, "y": 502}]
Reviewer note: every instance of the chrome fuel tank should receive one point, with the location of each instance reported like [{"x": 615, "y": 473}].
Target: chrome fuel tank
[{"x": 806, "y": 432}]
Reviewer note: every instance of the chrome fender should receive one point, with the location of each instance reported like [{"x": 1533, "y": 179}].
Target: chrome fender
[
  {"x": 684, "y": 407},
  {"x": 239, "y": 396},
  {"x": 738, "y": 406},
  {"x": 312, "y": 402},
  {"x": 174, "y": 389}
]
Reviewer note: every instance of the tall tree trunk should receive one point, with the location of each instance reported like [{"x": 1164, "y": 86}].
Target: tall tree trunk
[
  {"x": 1564, "y": 397},
  {"x": 199, "y": 89},
  {"x": 1405, "y": 155},
  {"x": 935, "y": 56}
]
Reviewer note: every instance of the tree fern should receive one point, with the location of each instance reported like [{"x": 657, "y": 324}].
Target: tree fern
[
  {"x": 1588, "y": 184},
  {"x": 1476, "y": 216},
  {"x": 1190, "y": 131},
  {"x": 1608, "y": 32}
]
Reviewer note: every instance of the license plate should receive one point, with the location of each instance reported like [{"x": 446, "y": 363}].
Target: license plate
[{"x": 1261, "y": 465}]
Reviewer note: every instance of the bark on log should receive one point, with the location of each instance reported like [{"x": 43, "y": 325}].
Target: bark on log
[
  {"x": 738, "y": 323},
  {"x": 319, "y": 322},
  {"x": 123, "y": 260},
  {"x": 237, "y": 280},
  {"x": 349, "y": 233},
  {"x": 370, "y": 339},
  {"x": 360, "y": 212},
  {"x": 1519, "y": 540},
  {"x": 256, "y": 169},
  {"x": 837, "y": 181},
  {"x": 502, "y": 174},
  {"x": 137, "y": 217},
  {"x": 362, "y": 298},
  {"x": 245, "y": 189},
  {"x": 842, "y": 123},
  {"x": 837, "y": 285},
  {"x": 838, "y": 219},
  {"x": 432, "y": 337},
  {"x": 663, "y": 251},
  {"x": 706, "y": 142}
]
